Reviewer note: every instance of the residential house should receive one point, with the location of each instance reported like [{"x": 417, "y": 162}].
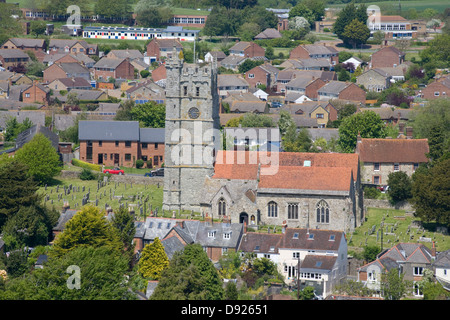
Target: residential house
[
  {"x": 322, "y": 111},
  {"x": 124, "y": 54},
  {"x": 82, "y": 59},
  {"x": 36, "y": 93},
  {"x": 218, "y": 55},
  {"x": 305, "y": 86},
  {"x": 14, "y": 78},
  {"x": 269, "y": 33},
  {"x": 392, "y": 115},
  {"x": 357, "y": 62},
  {"x": 387, "y": 57},
  {"x": 4, "y": 89},
  {"x": 35, "y": 116},
  {"x": 263, "y": 245},
  {"x": 231, "y": 83},
  {"x": 232, "y": 62},
  {"x": 146, "y": 91},
  {"x": 37, "y": 46},
  {"x": 264, "y": 74},
  {"x": 379, "y": 157},
  {"x": 68, "y": 84},
  {"x": 66, "y": 70},
  {"x": 393, "y": 27},
  {"x": 397, "y": 73},
  {"x": 248, "y": 49},
  {"x": 28, "y": 134},
  {"x": 159, "y": 75},
  {"x": 13, "y": 57},
  {"x": 107, "y": 68},
  {"x": 436, "y": 89},
  {"x": 410, "y": 259},
  {"x": 307, "y": 64},
  {"x": 317, "y": 258},
  {"x": 441, "y": 267},
  {"x": 286, "y": 75},
  {"x": 83, "y": 95},
  {"x": 249, "y": 106},
  {"x": 158, "y": 48},
  {"x": 151, "y": 148},
  {"x": 255, "y": 139},
  {"x": 72, "y": 46},
  {"x": 326, "y": 133},
  {"x": 260, "y": 94},
  {"x": 374, "y": 80},
  {"x": 306, "y": 51},
  {"x": 301, "y": 121},
  {"x": 347, "y": 91},
  {"x": 113, "y": 143}
]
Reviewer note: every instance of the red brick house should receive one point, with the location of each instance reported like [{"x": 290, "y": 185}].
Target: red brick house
[
  {"x": 307, "y": 51},
  {"x": 387, "y": 57},
  {"x": 37, "y": 46},
  {"x": 36, "y": 92},
  {"x": 66, "y": 70},
  {"x": 159, "y": 73},
  {"x": 13, "y": 57},
  {"x": 347, "y": 91},
  {"x": 436, "y": 89},
  {"x": 247, "y": 49},
  {"x": 107, "y": 68},
  {"x": 158, "y": 48},
  {"x": 120, "y": 143},
  {"x": 265, "y": 74}
]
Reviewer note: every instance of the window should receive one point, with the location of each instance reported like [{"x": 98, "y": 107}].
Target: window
[
  {"x": 332, "y": 237},
  {"x": 415, "y": 166},
  {"x": 376, "y": 179},
  {"x": 372, "y": 276},
  {"x": 293, "y": 211},
  {"x": 323, "y": 212},
  {"x": 156, "y": 146},
  {"x": 127, "y": 144},
  {"x": 295, "y": 255},
  {"x": 212, "y": 234},
  {"x": 376, "y": 166},
  {"x": 117, "y": 143},
  {"x": 227, "y": 235},
  {"x": 27, "y": 95},
  {"x": 197, "y": 91},
  {"x": 144, "y": 146},
  {"x": 319, "y": 116},
  {"x": 185, "y": 90},
  {"x": 436, "y": 94},
  {"x": 251, "y": 75},
  {"x": 222, "y": 207},
  {"x": 100, "y": 143},
  {"x": 127, "y": 157},
  {"x": 396, "y": 167},
  {"x": 418, "y": 271},
  {"x": 272, "y": 209},
  {"x": 311, "y": 236}
]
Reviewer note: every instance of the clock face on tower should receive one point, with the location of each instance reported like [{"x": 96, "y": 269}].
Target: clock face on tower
[{"x": 194, "y": 113}]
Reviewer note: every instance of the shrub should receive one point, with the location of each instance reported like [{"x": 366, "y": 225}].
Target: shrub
[
  {"x": 139, "y": 163},
  {"x": 90, "y": 166},
  {"x": 371, "y": 193},
  {"x": 87, "y": 174}
]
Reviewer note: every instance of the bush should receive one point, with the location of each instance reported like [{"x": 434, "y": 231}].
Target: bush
[
  {"x": 371, "y": 193},
  {"x": 87, "y": 174},
  {"x": 85, "y": 165},
  {"x": 139, "y": 163}
]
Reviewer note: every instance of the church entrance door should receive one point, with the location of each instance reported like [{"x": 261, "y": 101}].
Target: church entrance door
[{"x": 243, "y": 217}]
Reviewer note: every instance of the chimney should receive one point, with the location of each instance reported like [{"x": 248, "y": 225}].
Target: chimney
[
  {"x": 409, "y": 132},
  {"x": 180, "y": 224},
  {"x": 401, "y": 127},
  {"x": 245, "y": 227},
  {"x": 433, "y": 251},
  {"x": 358, "y": 138}
]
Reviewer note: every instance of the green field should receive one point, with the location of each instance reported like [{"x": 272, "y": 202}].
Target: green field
[{"x": 439, "y": 5}]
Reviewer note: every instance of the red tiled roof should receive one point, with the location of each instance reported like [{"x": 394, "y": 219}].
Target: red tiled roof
[
  {"x": 393, "y": 150},
  {"x": 308, "y": 178}
]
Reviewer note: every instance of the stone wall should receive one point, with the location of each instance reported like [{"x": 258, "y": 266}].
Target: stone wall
[
  {"x": 124, "y": 178},
  {"x": 374, "y": 203}
]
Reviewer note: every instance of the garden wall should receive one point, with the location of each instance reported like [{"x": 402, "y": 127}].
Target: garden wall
[{"x": 375, "y": 203}]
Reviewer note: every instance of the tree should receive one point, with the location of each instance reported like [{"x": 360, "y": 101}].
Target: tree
[
  {"x": 249, "y": 64},
  {"x": 431, "y": 193},
  {"x": 399, "y": 186},
  {"x": 101, "y": 276},
  {"x": 370, "y": 253},
  {"x": 393, "y": 287},
  {"x": 253, "y": 120},
  {"x": 38, "y": 27},
  {"x": 297, "y": 22},
  {"x": 356, "y": 33},
  {"x": 296, "y": 141},
  {"x": 17, "y": 189},
  {"x": 317, "y": 8},
  {"x": 123, "y": 222},
  {"x": 346, "y": 16},
  {"x": 368, "y": 124},
  {"x": 88, "y": 227},
  {"x": 13, "y": 128},
  {"x": 9, "y": 26},
  {"x": 248, "y": 31},
  {"x": 301, "y": 10},
  {"x": 285, "y": 121},
  {"x": 149, "y": 114},
  {"x": 41, "y": 159},
  {"x": 153, "y": 260},
  {"x": 190, "y": 276},
  {"x": 112, "y": 9},
  {"x": 30, "y": 226}
]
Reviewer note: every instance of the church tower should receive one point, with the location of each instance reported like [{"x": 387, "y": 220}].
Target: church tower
[{"x": 191, "y": 130}]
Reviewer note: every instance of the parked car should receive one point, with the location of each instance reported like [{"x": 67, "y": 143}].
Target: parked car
[
  {"x": 158, "y": 172},
  {"x": 114, "y": 171}
]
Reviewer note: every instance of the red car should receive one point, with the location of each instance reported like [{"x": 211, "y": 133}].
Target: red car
[{"x": 114, "y": 171}]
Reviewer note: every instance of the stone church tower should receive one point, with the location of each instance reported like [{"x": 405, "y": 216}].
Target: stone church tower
[{"x": 191, "y": 129}]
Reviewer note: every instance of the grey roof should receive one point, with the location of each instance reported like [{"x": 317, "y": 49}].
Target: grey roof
[
  {"x": 172, "y": 245},
  {"x": 108, "y": 130},
  {"x": 231, "y": 80},
  {"x": 74, "y": 68},
  {"x": 269, "y": 33},
  {"x": 26, "y": 42},
  {"x": 63, "y": 218},
  {"x": 319, "y": 49},
  {"x": 443, "y": 260},
  {"x": 333, "y": 87},
  {"x": 108, "y": 63},
  {"x": 326, "y": 133},
  {"x": 128, "y": 53},
  {"x": 13, "y": 53},
  {"x": 152, "y": 135},
  {"x": 108, "y": 106},
  {"x": 82, "y": 94},
  {"x": 232, "y": 61},
  {"x": 270, "y": 134},
  {"x": 14, "y": 104},
  {"x": 63, "y": 121},
  {"x": 158, "y": 227},
  {"x": 28, "y": 134},
  {"x": 36, "y": 117},
  {"x": 240, "y": 46}
]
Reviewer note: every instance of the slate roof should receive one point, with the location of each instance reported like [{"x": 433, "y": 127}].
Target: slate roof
[
  {"x": 152, "y": 135},
  {"x": 393, "y": 150},
  {"x": 240, "y": 46},
  {"x": 296, "y": 238},
  {"x": 73, "y": 68},
  {"x": 108, "y": 130},
  {"x": 269, "y": 33},
  {"x": 156, "y": 227},
  {"x": 333, "y": 87},
  {"x": 319, "y": 49},
  {"x": 248, "y": 106},
  {"x": 108, "y": 63},
  {"x": 261, "y": 242},
  {"x": 36, "y": 117},
  {"x": 231, "y": 80},
  {"x": 28, "y": 134},
  {"x": 74, "y": 82},
  {"x": 168, "y": 43},
  {"x": 232, "y": 61},
  {"x": 26, "y": 42},
  {"x": 128, "y": 53},
  {"x": 314, "y": 263},
  {"x": 270, "y": 134},
  {"x": 13, "y": 53},
  {"x": 63, "y": 218}
]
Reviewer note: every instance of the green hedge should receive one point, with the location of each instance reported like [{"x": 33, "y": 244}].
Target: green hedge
[{"x": 86, "y": 165}]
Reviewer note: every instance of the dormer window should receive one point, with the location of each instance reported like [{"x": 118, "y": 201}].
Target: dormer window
[
  {"x": 227, "y": 235},
  {"x": 212, "y": 234}
]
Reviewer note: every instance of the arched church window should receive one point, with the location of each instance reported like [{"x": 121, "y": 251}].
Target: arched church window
[
  {"x": 272, "y": 209},
  {"x": 222, "y": 206},
  {"x": 323, "y": 212}
]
